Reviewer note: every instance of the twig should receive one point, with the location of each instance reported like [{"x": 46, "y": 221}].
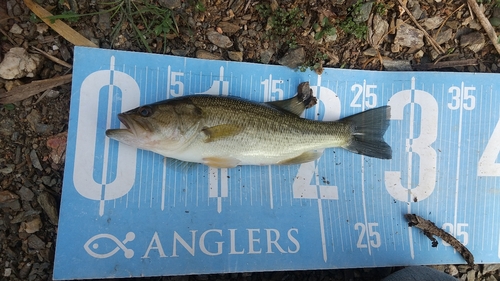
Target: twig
[
  {"x": 431, "y": 40},
  {"x": 431, "y": 229},
  {"x": 52, "y": 58},
  {"x": 8, "y": 37},
  {"x": 447, "y": 18},
  {"x": 27, "y": 90},
  {"x": 60, "y": 27},
  {"x": 485, "y": 23}
]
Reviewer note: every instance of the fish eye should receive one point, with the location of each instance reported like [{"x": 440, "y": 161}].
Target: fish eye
[{"x": 145, "y": 111}]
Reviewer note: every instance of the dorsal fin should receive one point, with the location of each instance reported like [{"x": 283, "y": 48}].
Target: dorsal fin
[{"x": 297, "y": 104}]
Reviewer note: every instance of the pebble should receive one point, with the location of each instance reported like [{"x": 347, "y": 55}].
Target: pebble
[
  {"x": 6, "y": 196},
  {"x": 490, "y": 268},
  {"x": 266, "y": 55},
  {"x": 170, "y": 4},
  {"x": 38, "y": 127},
  {"x": 364, "y": 12},
  {"x": 471, "y": 275},
  {"x": 6, "y": 126},
  {"x": 235, "y": 56},
  {"x": 452, "y": 270},
  {"x": 408, "y": 36},
  {"x": 17, "y": 63},
  {"x": 57, "y": 146},
  {"x": 220, "y": 40},
  {"x": 432, "y": 23},
  {"x": 25, "y": 193},
  {"x": 293, "y": 58},
  {"x": 202, "y": 54},
  {"x": 35, "y": 161},
  {"x": 16, "y": 29},
  {"x": 31, "y": 226},
  {"x": 380, "y": 28},
  {"x": 229, "y": 28},
  {"x": 48, "y": 204},
  {"x": 473, "y": 41},
  {"x": 34, "y": 242},
  {"x": 9, "y": 168},
  {"x": 180, "y": 52}
]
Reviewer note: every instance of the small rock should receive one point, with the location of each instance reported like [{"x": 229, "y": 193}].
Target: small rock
[
  {"x": 380, "y": 28},
  {"x": 396, "y": 65},
  {"x": 13, "y": 205},
  {"x": 16, "y": 29},
  {"x": 170, "y": 4},
  {"x": 266, "y": 55},
  {"x": 42, "y": 28},
  {"x": 104, "y": 22},
  {"x": 293, "y": 58},
  {"x": 202, "y": 54},
  {"x": 35, "y": 161},
  {"x": 18, "y": 63},
  {"x": 235, "y": 56},
  {"x": 34, "y": 242},
  {"x": 488, "y": 268},
  {"x": 38, "y": 127},
  {"x": 471, "y": 275},
  {"x": 7, "y": 196},
  {"x": 180, "y": 52},
  {"x": 371, "y": 52},
  {"x": 48, "y": 204},
  {"x": 7, "y": 272},
  {"x": 9, "y": 168},
  {"x": 444, "y": 36},
  {"x": 452, "y": 270},
  {"x": 414, "y": 7},
  {"x": 26, "y": 193},
  {"x": 432, "y": 23},
  {"x": 57, "y": 146},
  {"x": 228, "y": 28},
  {"x": 364, "y": 12},
  {"x": 490, "y": 278},
  {"x": 409, "y": 36},
  {"x": 221, "y": 41},
  {"x": 474, "y": 41},
  {"x": 31, "y": 226}
]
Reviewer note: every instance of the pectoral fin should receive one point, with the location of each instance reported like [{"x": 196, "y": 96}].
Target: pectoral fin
[
  {"x": 305, "y": 157},
  {"x": 221, "y": 162},
  {"x": 296, "y": 105},
  {"x": 220, "y": 132}
]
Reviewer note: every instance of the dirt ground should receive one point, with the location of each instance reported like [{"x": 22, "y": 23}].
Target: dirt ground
[{"x": 440, "y": 35}]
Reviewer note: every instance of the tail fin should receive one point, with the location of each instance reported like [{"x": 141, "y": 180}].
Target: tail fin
[{"x": 367, "y": 132}]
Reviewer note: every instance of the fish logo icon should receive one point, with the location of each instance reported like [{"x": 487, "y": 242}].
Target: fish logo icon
[
  {"x": 92, "y": 245},
  {"x": 104, "y": 169}
]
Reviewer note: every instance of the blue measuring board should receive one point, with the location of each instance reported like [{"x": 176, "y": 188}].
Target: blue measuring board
[{"x": 128, "y": 212}]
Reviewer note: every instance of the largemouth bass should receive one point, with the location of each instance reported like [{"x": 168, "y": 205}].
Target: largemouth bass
[{"x": 225, "y": 132}]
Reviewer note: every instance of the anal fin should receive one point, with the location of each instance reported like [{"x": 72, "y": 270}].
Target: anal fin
[
  {"x": 221, "y": 162},
  {"x": 305, "y": 157}
]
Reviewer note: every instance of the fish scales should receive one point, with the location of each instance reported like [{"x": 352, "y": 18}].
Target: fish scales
[{"x": 226, "y": 132}]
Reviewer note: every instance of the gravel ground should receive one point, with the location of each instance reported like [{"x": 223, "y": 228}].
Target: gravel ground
[{"x": 378, "y": 35}]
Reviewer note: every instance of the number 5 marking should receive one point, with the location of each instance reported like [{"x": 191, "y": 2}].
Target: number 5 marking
[{"x": 421, "y": 145}]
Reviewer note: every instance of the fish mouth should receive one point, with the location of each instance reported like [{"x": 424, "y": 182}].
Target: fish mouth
[
  {"x": 118, "y": 133},
  {"x": 124, "y": 121}
]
